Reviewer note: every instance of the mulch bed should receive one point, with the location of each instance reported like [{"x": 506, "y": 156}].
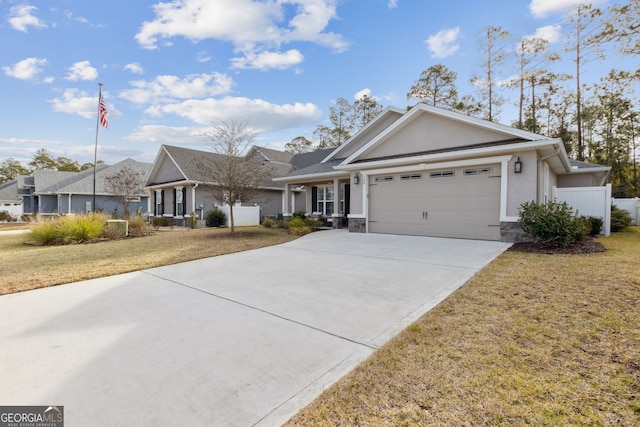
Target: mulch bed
[{"x": 589, "y": 245}]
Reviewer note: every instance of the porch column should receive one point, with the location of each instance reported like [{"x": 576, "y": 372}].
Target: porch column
[
  {"x": 337, "y": 213},
  {"x": 286, "y": 202}
]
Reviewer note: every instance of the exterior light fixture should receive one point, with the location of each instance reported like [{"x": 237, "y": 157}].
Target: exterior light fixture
[
  {"x": 356, "y": 179},
  {"x": 517, "y": 166}
]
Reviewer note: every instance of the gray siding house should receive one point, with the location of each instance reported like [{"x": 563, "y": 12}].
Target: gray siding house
[
  {"x": 179, "y": 186},
  {"x": 51, "y": 192}
]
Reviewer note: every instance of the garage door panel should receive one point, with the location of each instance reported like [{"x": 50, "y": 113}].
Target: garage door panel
[{"x": 449, "y": 206}]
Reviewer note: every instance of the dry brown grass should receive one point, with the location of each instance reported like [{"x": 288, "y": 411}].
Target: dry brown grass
[
  {"x": 26, "y": 267},
  {"x": 530, "y": 340}
]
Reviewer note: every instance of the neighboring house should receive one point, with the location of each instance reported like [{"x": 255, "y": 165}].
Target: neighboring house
[
  {"x": 9, "y": 200},
  {"x": 51, "y": 192},
  {"x": 179, "y": 184},
  {"x": 434, "y": 172}
]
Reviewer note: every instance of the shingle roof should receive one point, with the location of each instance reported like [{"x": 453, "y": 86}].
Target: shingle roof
[
  {"x": 83, "y": 182},
  {"x": 272, "y": 155},
  {"x": 304, "y": 160},
  {"x": 577, "y": 164},
  {"x": 190, "y": 161},
  {"x": 9, "y": 190}
]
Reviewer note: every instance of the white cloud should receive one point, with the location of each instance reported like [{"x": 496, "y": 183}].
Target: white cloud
[
  {"x": 21, "y": 18},
  {"x": 252, "y": 27},
  {"x": 203, "y": 56},
  {"x": 169, "y": 88},
  {"x": 26, "y": 69},
  {"x": 550, "y": 33},
  {"x": 544, "y": 8},
  {"x": 443, "y": 43},
  {"x": 135, "y": 68},
  {"x": 262, "y": 115},
  {"x": 361, "y": 94},
  {"x": 75, "y": 101},
  {"x": 268, "y": 60},
  {"x": 82, "y": 71},
  {"x": 167, "y": 134},
  {"x": 392, "y": 4}
]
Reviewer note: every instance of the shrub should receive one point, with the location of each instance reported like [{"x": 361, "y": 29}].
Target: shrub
[
  {"x": 552, "y": 223},
  {"x": 596, "y": 224},
  {"x": 299, "y": 227},
  {"x": 300, "y": 214},
  {"x": 268, "y": 222},
  {"x": 620, "y": 218},
  {"x": 160, "y": 221},
  {"x": 112, "y": 233},
  {"x": 193, "y": 220},
  {"x": 137, "y": 226},
  {"x": 216, "y": 218},
  {"x": 4, "y": 215}
]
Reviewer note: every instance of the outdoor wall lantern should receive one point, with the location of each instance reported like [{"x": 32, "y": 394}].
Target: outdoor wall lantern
[
  {"x": 356, "y": 179},
  {"x": 517, "y": 166}
]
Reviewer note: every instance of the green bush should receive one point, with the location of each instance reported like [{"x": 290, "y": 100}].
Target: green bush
[
  {"x": 160, "y": 221},
  {"x": 596, "y": 224},
  {"x": 4, "y": 215},
  {"x": 620, "y": 218},
  {"x": 553, "y": 223},
  {"x": 299, "y": 227},
  {"x": 216, "y": 218},
  {"x": 300, "y": 214}
]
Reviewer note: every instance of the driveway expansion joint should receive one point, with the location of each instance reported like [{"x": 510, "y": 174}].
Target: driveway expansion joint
[{"x": 341, "y": 337}]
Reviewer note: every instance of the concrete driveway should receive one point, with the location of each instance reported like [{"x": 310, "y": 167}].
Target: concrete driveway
[{"x": 237, "y": 340}]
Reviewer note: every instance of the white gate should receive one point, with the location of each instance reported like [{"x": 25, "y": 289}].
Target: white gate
[
  {"x": 588, "y": 201},
  {"x": 630, "y": 205},
  {"x": 242, "y": 215}
]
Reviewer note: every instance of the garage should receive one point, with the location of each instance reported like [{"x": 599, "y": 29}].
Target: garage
[{"x": 457, "y": 202}]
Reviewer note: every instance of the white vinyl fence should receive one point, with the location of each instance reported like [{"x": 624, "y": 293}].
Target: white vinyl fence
[
  {"x": 242, "y": 215},
  {"x": 630, "y": 205},
  {"x": 588, "y": 201}
]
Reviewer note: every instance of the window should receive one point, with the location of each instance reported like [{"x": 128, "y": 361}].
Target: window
[
  {"x": 411, "y": 176},
  {"x": 383, "y": 178},
  {"x": 180, "y": 196},
  {"x": 442, "y": 174},
  {"x": 159, "y": 202},
  {"x": 478, "y": 171},
  {"x": 325, "y": 200}
]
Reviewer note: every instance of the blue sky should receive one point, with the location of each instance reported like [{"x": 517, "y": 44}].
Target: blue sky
[{"x": 172, "y": 69}]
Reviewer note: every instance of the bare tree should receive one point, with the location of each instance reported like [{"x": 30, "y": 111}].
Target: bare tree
[
  {"x": 585, "y": 43},
  {"x": 492, "y": 45},
  {"x": 234, "y": 174},
  {"x": 124, "y": 186}
]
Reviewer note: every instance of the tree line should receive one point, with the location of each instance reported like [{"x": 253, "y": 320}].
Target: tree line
[
  {"x": 598, "y": 122},
  {"x": 11, "y": 168}
]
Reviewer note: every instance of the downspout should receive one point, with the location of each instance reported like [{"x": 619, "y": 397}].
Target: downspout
[
  {"x": 69, "y": 210},
  {"x": 542, "y": 159},
  {"x": 193, "y": 199}
]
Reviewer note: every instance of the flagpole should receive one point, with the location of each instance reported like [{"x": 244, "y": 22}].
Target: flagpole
[{"x": 95, "y": 150}]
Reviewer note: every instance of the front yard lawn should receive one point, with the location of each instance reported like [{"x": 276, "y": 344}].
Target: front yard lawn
[
  {"x": 533, "y": 339},
  {"x": 26, "y": 267}
]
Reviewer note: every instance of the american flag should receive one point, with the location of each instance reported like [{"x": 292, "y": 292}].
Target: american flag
[{"x": 103, "y": 114}]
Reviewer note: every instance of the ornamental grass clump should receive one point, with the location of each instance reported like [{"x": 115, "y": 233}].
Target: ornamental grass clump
[{"x": 70, "y": 229}]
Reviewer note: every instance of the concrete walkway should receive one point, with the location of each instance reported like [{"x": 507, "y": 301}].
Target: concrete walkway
[{"x": 238, "y": 340}]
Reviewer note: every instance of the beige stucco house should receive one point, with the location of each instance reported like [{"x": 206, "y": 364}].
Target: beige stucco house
[{"x": 434, "y": 172}]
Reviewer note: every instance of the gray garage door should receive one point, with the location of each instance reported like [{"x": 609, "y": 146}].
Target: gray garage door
[{"x": 460, "y": 202}]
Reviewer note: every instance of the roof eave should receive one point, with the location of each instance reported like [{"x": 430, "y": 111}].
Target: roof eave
[{"x": 310, "y": 177}]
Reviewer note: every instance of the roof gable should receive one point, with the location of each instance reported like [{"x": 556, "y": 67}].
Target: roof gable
[
  {"x": 425, "y": 128},
  {"x": 83, "y": 183}
]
